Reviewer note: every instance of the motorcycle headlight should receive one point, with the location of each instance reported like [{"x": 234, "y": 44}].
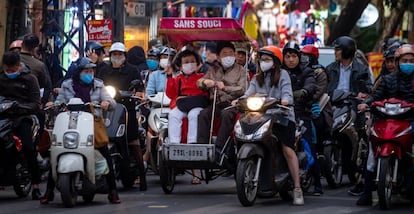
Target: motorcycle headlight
[
  {"x": 111, "y": 90},
  {"x": 392, "y": 109},
  {"x": 71, "y": 140},
  {"x": 255, "y": 103}
]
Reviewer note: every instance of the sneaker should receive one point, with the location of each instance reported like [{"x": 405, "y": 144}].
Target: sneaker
[
  {"x": 365, "y": 200},
  {"x": 357, "y": 190},
  {"x": 298, "y": 197}
]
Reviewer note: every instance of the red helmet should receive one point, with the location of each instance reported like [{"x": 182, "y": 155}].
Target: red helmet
[
  {"x": 272, "y": 51},
  {"x": 16, "y": 44},
  {"x": 310, "y": 49},
  {"x": 403, "y": 50}
]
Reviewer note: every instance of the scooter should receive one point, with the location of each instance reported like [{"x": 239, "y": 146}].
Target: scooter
[
  {"x": 158, "y": 126},
  {"x": 392, "y": 143},
  {"x": 13, "y": 164},
  {"x": 77, "y": 167},
  {"x": 258, "y": 148},
  {"x": 346, "y": 145}
]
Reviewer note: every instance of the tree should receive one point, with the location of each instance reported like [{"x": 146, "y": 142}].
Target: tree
[{"x": 347, "y": 19}]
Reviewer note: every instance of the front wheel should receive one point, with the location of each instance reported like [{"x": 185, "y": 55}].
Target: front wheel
[
  {"x": 333, "y": 154},
  {"x": 167, "y": 176},
  {"x": 68, "y": 192},
  {"x": 245, "y": 183},
  {"x": 22, "y": 184},
  {"x": 385, "y": 182}
]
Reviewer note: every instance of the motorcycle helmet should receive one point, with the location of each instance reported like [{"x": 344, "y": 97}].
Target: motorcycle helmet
[
  {"x": 94, "y": 46},
  {"x": 291, "y": 46},
  {"x": 311, "y": 50},
  {"x": 16, "y": 44},
  {"x": 273, "y": 51},
  {"x": 390, "y": 51},
  {"x": 117, "y": 46},
  {"x": 347, "y": 45},
  {"x": 168, "y": 51},
  {"x": 403, "y": 50},
  {"x": 84, "y": 63},
  {"x": 154, "y": 52}
]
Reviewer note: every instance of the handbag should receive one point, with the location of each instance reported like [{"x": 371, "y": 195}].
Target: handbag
[{"x": 100, "y": 135}]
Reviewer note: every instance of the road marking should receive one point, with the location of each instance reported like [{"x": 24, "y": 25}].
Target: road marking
[{"x": 158, "y": 206}]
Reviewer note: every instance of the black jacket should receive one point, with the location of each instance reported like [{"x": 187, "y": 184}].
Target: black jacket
[
  {"x": 359, "y": 76},
  {"x": 136, "y": 56},
  {"x": 397, "y": 85},
  {"x": 120, "y": 78},
  {"x": 24, "y": 89}
]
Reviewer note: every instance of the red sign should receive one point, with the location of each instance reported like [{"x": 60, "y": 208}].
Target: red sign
[
  {"x": 100, "y": 31},
  {"x": 375, "y": 60}
]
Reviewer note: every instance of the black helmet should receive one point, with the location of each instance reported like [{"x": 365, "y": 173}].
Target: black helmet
[
  {"x": 93, "y": 46},
  {"x": 168, "y": 51},
  {"x": 390, "y": 51},
  {"x": 347, "y": 45},
  {"x": 154, "y": 52},
  {"x": 291, "y": 46},
  {"x": 84, "y": 63}
]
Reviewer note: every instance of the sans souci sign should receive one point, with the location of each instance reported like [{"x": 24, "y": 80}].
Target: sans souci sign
[
  {"x": 197, "y": 24},
  {"x": 100, "y": 31}
]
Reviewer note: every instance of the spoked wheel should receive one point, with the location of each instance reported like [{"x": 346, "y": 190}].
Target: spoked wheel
[
  {"x": 167, "y": 177},
  {"x": 334, "y": 154},
  {"x": 385, "y": 182},
  {"x": 68, "y": 192},
  {"x": 245, "y": 183},
  {"x": 23, "y": 183}
]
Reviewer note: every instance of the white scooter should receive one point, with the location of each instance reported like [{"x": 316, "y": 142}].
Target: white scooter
[
  {"x": 158, "y": 125},
  {"x": 77, "y": 167}
]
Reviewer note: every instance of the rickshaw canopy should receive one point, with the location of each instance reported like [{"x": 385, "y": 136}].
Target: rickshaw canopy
[{"x": 180, "y": 31}]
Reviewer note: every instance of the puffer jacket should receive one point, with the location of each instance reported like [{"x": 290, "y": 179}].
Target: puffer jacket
[
  {"x": 24, "y": 89},
  {"x": 183, "y": 85},
  {"x": 359, "y": 73},
  {"x": 397, "y": 85},
  {"x": 98, "y": 94}
]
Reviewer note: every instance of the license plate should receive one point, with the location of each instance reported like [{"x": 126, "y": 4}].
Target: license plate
[{"x": 187, "y": 152}]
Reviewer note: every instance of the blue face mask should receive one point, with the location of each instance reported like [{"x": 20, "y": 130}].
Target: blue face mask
[
  {"x": 152, "y": 64},
  {"x": 203, "y": 56},
  {"x": 13, "y": 75},
  {"x": 86, "y": 78},
  {"x": 407, "y": 68}
]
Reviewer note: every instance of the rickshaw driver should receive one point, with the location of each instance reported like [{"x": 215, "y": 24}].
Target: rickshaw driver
[{"x": 230, "y": 79}]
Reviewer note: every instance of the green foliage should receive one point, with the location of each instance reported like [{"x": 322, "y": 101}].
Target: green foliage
[{"x": 367, "y": 38}]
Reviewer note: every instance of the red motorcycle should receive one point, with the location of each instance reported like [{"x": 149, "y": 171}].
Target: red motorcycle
[{"x": 392, "y": 137}]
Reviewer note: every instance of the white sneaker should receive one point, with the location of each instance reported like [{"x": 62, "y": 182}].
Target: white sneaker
[{"x": 298, "y": 197}]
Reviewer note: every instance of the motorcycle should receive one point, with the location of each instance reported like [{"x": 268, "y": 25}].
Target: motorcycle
[
  {"x": 125, "y": 164},
  {"x": 347, "y": 152},
  {"x": 258, "y": 147},
  {"x": 392, "y": 143},
  {"x": 77, "y": 168},
  {"x": 158, "y": 126},
  {"x": 13, "y": 164}
]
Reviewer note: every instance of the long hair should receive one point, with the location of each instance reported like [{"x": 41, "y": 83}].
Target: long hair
[{"x": 274, "y": 74}]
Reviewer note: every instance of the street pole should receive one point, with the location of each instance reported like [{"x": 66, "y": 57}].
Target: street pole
[
  {"x": 81, "y": 19},
  {"x": 118, "y": 19}
]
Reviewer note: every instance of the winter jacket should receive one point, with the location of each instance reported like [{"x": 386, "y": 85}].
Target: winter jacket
[
  {"x": 396, "y": 85},
  {"x": 98, "y": 93},
  {"x": 303, "y": 79},
  {"x": 24, "y": 89},
  {"x": 183, "y": 85},
  {"x": 359, "y": 76},
  {"x": 234, "y": 79},
  {"x": 120, "y": 78},
  {"x": 156, "y": 82}
]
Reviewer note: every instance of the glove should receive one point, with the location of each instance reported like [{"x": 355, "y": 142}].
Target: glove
[
  {"x": 316, "y": 110},
  {"x": 299, "y": 93}
]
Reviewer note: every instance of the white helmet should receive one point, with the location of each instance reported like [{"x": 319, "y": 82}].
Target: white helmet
[{"x": 117, "y": 46}]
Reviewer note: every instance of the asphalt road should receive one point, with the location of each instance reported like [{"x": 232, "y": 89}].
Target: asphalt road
[{"x": 219, "y": 196}]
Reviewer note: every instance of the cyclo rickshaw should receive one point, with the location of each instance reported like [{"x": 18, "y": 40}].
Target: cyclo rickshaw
[{"x": 176, "y": 158}]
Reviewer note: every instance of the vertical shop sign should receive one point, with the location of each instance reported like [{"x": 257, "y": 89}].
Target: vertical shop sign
[{"x": 100, "y": 31}]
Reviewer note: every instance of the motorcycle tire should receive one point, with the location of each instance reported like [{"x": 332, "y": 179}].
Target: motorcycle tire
[
  {"x": 385, "y": 182},
  {"x": 245, "y": 185},
  {"x": 22, "y": 185},
  {"x": 68, "y": 192},
  {"x": 154, "y": 160},
  {"x": 333, "y": 167},
  {"x": 167, "y": 177}
]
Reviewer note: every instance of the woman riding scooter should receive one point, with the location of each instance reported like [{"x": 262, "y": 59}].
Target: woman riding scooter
[
  {"x": 83, "y": 85},
  {"x": 275, "y": 82}
]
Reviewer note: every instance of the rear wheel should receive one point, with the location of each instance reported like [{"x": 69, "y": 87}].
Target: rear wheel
[
  {"x": 68, "y": 192},
  {"x": 385, "y": 182},
  {"x": 333, "y": 174},
  {"x": 167, "y": 176},
  {"x": 22, "y": 184},
  {"x": 245, "y": 183}
]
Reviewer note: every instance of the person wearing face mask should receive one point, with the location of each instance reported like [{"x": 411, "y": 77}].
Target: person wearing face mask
[
  {"x": 210, "y": 57},
  {"x": 187, "y": 100},
  {"x": 230, "y": 81},
  {"x": 83, "y": 85},
  {"x": 120, "y": 76},
  {"x": 399, "y": 85},
  {"x": 158, "y": 78},
  {"x": 275, "y": 82},
  {"x": 19, "y": 84}
]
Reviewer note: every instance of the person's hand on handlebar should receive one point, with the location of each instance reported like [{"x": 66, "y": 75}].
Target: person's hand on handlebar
[
  {"x": 284, "y": 102},
  {"x": 362, "y": 96},
  {"x": 362, "y": 107},
  {"x": 235, "y": 102},
  {"x": 104, "y": 105}
]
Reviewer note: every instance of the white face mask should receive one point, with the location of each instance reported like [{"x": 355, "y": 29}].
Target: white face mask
[
  {"x": 228, "y": 61},
  {"x": 163, "y": 63},
  {"x": 265, "y": 66},
  {"x": 189, "y": 68},
  {"x": 117, "y": 60}
]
